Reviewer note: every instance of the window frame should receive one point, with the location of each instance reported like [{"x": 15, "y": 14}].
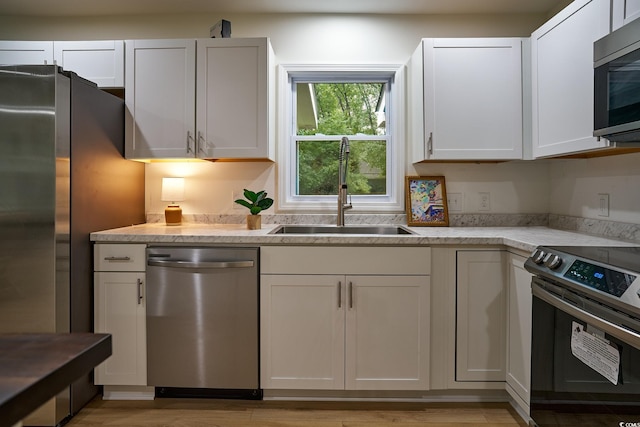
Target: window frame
[{"x": 287, "y": 75}]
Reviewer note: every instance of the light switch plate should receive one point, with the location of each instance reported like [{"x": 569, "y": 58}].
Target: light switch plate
[
  {"x": 484, "y": 201},
  {"x": 454, "y": 202},
  {"x": 603, "y": 204}
]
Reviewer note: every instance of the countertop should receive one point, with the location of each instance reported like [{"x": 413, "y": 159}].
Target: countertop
[
  {"x": 522, "y": 238},
  {"x": 36, "y": 367}
]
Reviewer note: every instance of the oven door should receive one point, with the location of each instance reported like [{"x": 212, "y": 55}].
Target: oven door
[{"x": 585, "y": 369}]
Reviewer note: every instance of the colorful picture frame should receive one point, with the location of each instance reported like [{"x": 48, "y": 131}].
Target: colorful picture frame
[{"x": 426, "y": 201}]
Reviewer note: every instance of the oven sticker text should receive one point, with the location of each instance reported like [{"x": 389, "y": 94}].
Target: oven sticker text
[
  {"x": 595, "y": 352},
  {"x": 624, "y": 424}
]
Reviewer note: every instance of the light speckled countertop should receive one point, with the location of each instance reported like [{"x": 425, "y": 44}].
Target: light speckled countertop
[{"x": 523, "y": 238}]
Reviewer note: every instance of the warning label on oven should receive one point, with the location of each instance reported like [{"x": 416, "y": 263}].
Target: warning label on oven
[{"x": 595, "y": 352}]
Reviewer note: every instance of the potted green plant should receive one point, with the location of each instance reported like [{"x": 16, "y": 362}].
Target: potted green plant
[{"x": 256, "y": 203}]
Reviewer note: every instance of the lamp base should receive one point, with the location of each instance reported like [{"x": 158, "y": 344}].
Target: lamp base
[{"x": 173, "y": 215}]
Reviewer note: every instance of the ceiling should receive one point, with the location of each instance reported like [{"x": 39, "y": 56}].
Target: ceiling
[{"x": 139, "y": 7}]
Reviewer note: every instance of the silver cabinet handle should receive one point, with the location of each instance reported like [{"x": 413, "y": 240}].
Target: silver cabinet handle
[
  {"x": 340, "y": 294},
  {"x": 200, "y": 143},
  {"x": 350, "y": 294},
  {"x": 201, "y": 264},
  {"x": 189, "y": 139},
  {"x": 117, "y": 258},
  {"x": 430, "y": 144},
  {"x": 139, "y": 291}
]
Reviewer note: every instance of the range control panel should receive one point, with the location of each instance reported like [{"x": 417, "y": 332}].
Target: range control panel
[{"x": 588, "y": 270}]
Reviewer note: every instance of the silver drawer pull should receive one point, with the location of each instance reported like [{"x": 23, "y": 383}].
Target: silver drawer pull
[
  {"x": 203, "y": 264},
  {"x": 117, "y": 258}
]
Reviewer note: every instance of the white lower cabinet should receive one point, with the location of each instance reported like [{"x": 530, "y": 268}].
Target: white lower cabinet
[
  {"x": 119, "y": 309},
  {"x": 519, "y": 331},
  {"x": 302, "y": 331},
  {"x": 481, "y": 315},
  {"x": 387, "y": 320},
  {"x": 345, "y": 331}
]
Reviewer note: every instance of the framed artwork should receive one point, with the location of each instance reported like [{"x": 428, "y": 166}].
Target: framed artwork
[{"x": 426, "y": 201}]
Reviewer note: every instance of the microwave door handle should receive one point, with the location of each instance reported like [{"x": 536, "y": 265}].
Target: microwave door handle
[
  {"x": 612, "y": 329},
  {"x": 200, "y": 264}
]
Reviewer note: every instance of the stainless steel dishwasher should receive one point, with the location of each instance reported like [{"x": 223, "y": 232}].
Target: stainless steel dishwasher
[{"x": 202, "y": 321}]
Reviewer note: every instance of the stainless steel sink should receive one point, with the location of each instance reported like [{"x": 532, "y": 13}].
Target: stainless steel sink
[{"x": 345, "y": 229}]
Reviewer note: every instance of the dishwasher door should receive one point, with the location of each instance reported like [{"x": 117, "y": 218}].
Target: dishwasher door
[{"x": 202, "y": 318}]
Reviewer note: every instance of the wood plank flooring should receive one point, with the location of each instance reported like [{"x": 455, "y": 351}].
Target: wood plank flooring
[{"x": 236, "y": 413}]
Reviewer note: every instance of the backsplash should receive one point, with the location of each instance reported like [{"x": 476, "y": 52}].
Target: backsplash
[
  {"x": 598, "y": 227},
  {"x": 459, "y": 220},
  {"x": 609, "y": 229}
]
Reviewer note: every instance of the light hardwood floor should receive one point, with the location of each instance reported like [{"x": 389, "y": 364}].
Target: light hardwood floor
[{"x": 235, "y": 413}]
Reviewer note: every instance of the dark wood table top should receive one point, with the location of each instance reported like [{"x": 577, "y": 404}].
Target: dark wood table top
[{"x": 36, "y": 367}]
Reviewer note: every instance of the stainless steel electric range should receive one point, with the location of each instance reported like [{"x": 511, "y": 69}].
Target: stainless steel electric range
[{"x": 585, "y": 361}]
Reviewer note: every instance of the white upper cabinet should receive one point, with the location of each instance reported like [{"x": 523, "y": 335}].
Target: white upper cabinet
[
  {"x": 624, "y": 11},
  {"x": 233, "y": 98},
  {"x": 205, "y": 98},
  {"x": 160, "y": 96},
  {"x": 26, "y": 52},
  {"x": 562, "y": 79},
  {"x": 101, "y": 61},
  {"x": 465, "y": 99}
]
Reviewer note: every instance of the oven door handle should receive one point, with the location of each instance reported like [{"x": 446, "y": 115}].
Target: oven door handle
[{"x": 612, "y": 329}]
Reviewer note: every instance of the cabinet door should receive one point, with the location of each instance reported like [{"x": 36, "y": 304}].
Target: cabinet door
[
  {"x": 387, "y": 338},
  {"x": 101, "y": 61},
  {"x": 232, "y": 98},
  {"x": 624, "y": 11},
  {"x": 26, "y": 52},
  {"x": 562, "y": 78},
  {"x": 481, "y": 316},
  {"x": 302, "y": 331},
  {"x": 519, "y": 329},
  {"x": 120, "y": 311},
  {"x": 160, "y": 98},
  {"x": 473, "y": 98}
]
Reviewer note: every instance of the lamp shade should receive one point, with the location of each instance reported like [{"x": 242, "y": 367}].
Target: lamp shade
[{"x": 172, "y": 189}]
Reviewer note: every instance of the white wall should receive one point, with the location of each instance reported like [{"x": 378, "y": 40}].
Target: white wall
[
  {"x": 565, "y": 187},
  {"x": 574, "y": 186}
]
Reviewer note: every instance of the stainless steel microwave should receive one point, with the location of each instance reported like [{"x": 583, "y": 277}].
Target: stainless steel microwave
[{"x": 617, "y": 84}]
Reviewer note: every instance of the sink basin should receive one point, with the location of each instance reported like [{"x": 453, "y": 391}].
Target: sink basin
[{"x": 346, "y": 229}]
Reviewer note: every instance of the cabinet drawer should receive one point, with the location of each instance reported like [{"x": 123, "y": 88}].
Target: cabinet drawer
[{"x": 119, "y": 257}]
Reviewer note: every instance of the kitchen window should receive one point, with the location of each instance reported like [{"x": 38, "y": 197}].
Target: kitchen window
[{"x": 322, "y": 104}]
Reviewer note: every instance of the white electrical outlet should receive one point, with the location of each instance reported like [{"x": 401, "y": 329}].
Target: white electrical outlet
[
  {"x": 484, "y": 201},
  {"x": 603, "y": 204},
  {"x": 454, "y": 202}
]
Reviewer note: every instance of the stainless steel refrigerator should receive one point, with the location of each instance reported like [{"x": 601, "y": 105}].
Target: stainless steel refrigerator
[{"x": 62, "y": 176}]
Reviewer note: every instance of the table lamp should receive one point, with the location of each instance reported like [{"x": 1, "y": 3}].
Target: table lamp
[{"x": 173, "y": 191}]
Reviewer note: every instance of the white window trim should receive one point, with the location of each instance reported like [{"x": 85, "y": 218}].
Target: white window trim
[{"x": 287, "y": 201}]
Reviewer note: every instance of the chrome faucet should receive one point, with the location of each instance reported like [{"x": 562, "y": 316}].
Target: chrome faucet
[{"x": 342, "y": 179}]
